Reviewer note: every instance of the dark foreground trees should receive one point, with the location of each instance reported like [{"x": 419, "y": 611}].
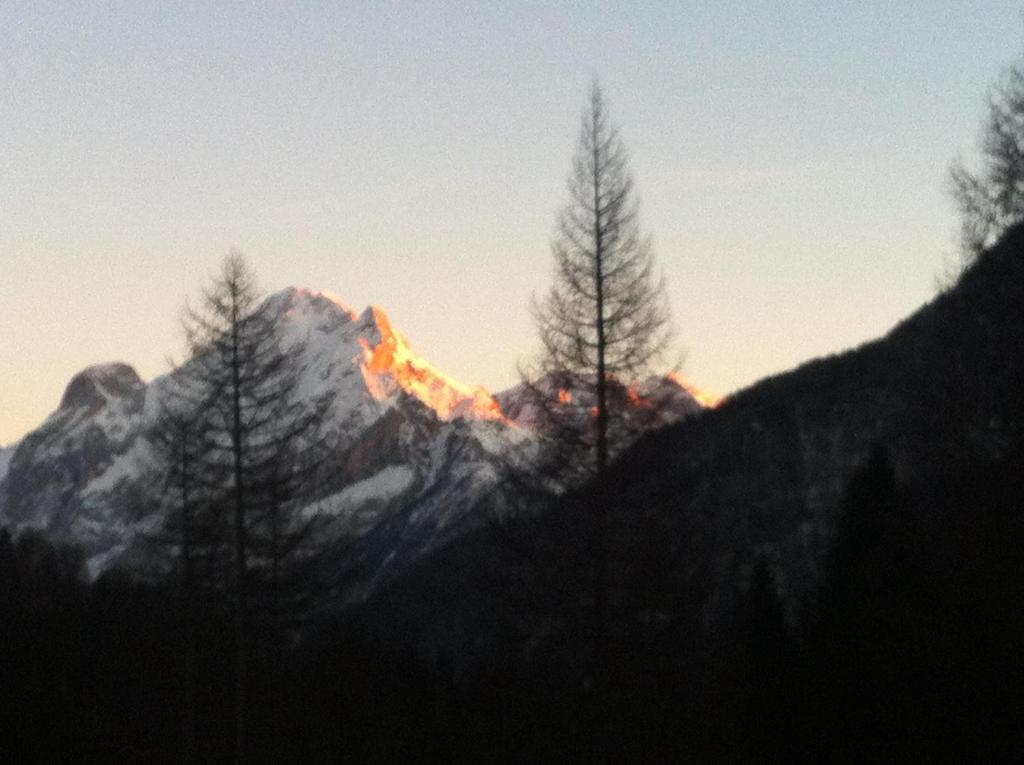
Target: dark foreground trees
[{"x": 245, "y": 450}]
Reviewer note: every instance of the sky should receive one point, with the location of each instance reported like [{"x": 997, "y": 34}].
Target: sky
[{"x": 791, "y": 160}]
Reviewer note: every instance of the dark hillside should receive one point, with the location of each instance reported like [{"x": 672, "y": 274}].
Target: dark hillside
[
  {"x": 871, "y": 499},
  {"x": 761, "y": 476},
  {"x": 942, "y": 392}
]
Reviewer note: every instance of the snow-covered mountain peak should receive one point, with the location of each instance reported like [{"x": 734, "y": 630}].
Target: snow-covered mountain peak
[
  {"x": 375, "y": 317},
  {"x": 389, "y": 364},
  {"x": 95, "y": 387},
  {"x": 336, "y": 341},
  {"x": 300, "y": 309},
  {"x": 297, "y": 294}
]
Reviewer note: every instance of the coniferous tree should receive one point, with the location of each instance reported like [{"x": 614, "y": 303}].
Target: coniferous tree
[
  {"x": 867, "y": 609},
  {"x": 605, "y": 319},
  {"x": 602, "y": 325},
  {"x": 256, "y": 432},
  {"x": 191, "y": 496},
  {"x": 765, "y": 665}
]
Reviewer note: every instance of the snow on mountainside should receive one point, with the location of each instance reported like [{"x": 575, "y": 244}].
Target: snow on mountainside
[
  {"x": 414, "y": 451},
  {"x": 51, "y": 469},
  {"x": 368, "y": 344}
]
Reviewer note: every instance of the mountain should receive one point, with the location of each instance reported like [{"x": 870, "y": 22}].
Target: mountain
[
  {"x": 758, "y": 480},
  {"x": 57, "y": 471},
  {"x": 414, "y": 460},
  {"x": 649, "y": 403}
]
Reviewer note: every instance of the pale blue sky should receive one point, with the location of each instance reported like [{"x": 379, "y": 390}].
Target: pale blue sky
[{"x": 791, "y": 159}]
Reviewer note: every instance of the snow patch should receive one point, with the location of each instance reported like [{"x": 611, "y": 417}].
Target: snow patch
[
  {"x": 386, "y": 484},
  {"x": 97, "y": 564},
  {"x": 119, "y": 470}
]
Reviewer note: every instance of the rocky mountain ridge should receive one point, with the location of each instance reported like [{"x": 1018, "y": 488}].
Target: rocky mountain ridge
[{"x": 414, "y": 451}]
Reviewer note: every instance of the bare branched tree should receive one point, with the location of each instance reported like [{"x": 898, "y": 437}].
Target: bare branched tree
[
  {"x": 605, "y": 321},
  {"x": 992, "y": 199},
  {"x": 603, "y": 324},
  {"x": 260, "y": 434}
]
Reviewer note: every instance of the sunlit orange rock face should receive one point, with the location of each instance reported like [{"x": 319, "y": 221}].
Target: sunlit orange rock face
[
  {"x": 388, "y": 366},
  {"x": 391, "y": 362},
  {"x": 637, "y": 400},
  {"x": 704, "y": 398}
]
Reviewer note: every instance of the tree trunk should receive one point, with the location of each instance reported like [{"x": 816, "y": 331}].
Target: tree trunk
[
  {"x": 188, "y": 733},
  {"x": 241, "y": 632},
  {"x": 601, "y": 522}
]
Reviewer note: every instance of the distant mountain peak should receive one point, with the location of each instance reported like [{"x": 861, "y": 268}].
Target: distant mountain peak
[
  {"x": 389, "y": 361},
  {"x": 382, "y": 354},
  {"x": 389, "y": 364},
  {"x": 95, "y": 386},
  {"x": 297, "y": 303},
  {"x": 705, "y": 398}
]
